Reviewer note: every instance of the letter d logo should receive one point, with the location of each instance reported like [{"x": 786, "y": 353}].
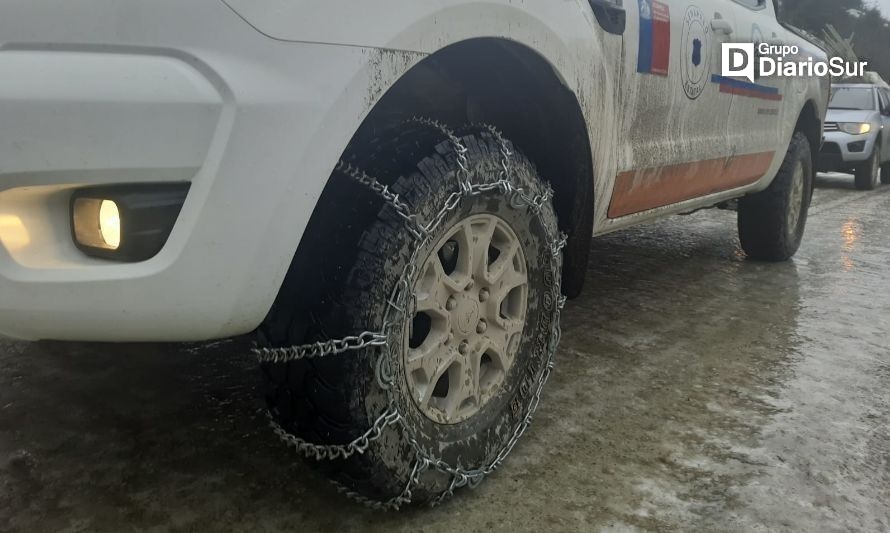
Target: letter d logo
[{"x": 738, "y": 60}]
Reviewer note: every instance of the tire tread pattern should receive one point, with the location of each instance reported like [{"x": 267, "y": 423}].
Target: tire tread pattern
[{"x": 762, "y": 217}]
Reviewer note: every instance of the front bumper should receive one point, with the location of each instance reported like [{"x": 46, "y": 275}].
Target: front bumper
[
  {"x": 840, "y": 150},
  {"x": 133, "y": 92}
]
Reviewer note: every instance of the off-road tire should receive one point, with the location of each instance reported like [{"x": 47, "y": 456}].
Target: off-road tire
[
  {"x": 763, "y": 218},
  {"x": 866, "y": 174},
  {"x": 333, "y": 400}
]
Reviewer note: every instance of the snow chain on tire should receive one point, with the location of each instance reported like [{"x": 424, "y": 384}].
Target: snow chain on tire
[{"x": 399, "y": 306}]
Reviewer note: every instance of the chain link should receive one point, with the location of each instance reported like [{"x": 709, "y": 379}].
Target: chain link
[
  {"x": 383, "y": 191},
  {"x": 506, "y": 153},
  {"x": 337, "y": 451},
  {"x": 460, "y": 150},
  {"x": 399, "y": 306},
  {"x": 320, "y": 349},
  {"x": 393, "y": 504}
]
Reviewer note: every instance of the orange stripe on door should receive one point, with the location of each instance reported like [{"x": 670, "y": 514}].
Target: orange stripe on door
[{"x": 640, "y": 190}]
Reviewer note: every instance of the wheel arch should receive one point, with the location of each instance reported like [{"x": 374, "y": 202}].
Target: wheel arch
[
  {"x": 483, "y": 80},
  {"x": 810, "y": 124},
  {"x": 516, "y": 89}
]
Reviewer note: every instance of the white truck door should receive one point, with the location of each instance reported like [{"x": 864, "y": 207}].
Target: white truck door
[
  {"x": 756, "y": 116},
  {"x": 675, "y": 143}
]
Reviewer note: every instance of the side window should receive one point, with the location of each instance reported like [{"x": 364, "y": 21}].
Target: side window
[
  {"x": 752, "y": 4},
  {"x": 885, "y": 101}
]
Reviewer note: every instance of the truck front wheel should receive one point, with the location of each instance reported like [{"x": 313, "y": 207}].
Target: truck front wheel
[
  {"x": 429, "y": 360},
  {"x": 772, "y": 222},
  {"x": 866, "y": 174}
]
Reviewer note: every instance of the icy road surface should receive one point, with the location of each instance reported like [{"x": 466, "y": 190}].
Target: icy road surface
[{"x": 694, "y": 390}]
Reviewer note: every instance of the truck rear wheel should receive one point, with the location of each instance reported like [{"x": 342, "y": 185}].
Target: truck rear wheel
[
  {"x": 772, "y": 222},
  {"x": 443, "y": 331},
  {"x": 866, "y": 175}
]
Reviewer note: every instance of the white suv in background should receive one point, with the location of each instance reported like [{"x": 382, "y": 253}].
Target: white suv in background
[{"x": 856, "y": 134}]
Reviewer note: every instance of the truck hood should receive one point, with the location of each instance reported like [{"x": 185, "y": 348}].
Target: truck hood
[{"x": 850, "y": 115}]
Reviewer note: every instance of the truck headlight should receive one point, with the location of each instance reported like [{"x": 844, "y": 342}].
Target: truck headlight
[
  {"x": 125, "y": 222},
  {"x": 855, "y": 128}
]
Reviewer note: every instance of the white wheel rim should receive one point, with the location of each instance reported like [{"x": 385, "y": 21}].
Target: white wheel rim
[{"x": 471, "y": 303}]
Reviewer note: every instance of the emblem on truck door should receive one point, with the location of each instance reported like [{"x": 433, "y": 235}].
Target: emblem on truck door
[{"x": 696, "y": 52}]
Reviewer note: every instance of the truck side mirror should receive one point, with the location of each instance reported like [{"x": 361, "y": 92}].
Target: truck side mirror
[{"x": 610, "y": 14}]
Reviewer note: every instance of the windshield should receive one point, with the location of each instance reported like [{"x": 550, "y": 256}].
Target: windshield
[{"x": 852, "y": 98}]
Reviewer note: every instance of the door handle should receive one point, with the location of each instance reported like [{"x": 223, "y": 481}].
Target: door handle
[
  {"x": 722, "y": 26},
  {"x": 610, "y": 14}
]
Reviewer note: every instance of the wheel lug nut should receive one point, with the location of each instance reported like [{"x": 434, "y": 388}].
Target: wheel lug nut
[
  {"x": 483, "y": 295},
  {"x": 451, "y": 304},
  {"x": 481, "y": 327},
  {"x": 471, "y": 284},
  {"x": 463, "y": 348}
]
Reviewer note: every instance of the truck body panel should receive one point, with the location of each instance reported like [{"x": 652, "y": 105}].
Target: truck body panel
[{"x": 254, "y": 102}]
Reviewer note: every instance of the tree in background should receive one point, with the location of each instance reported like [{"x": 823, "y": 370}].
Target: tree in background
[{"x": 870, "y": 29}]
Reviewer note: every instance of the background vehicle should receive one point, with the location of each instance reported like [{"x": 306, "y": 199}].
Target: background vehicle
[
  {"x": 394, "y": 195},
  {"x": 855, "y": 140}
]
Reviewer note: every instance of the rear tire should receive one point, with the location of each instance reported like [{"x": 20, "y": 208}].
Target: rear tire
[
  {"x": 333, "y": 400},
  {"x": 885, "y": 173},
  {"x": 866, "y": 177},
  {"x": 772, "y": 222}
]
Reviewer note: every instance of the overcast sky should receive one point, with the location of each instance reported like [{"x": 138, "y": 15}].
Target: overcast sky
[{"x": 884, "y": 5}]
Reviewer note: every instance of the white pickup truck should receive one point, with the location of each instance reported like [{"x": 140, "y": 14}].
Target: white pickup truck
[{"x": 394, "y": 196}]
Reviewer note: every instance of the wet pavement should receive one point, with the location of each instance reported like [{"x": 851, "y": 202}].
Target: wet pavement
[{"x": 694, "y": 390}]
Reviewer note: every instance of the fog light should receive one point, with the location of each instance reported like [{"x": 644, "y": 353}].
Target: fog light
[
  {"x": 125, "y": 222},
  {"x": 110, "y": 224},
  {"x": 856, "y": 147},
  {"x": 97, "y": 223}
]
